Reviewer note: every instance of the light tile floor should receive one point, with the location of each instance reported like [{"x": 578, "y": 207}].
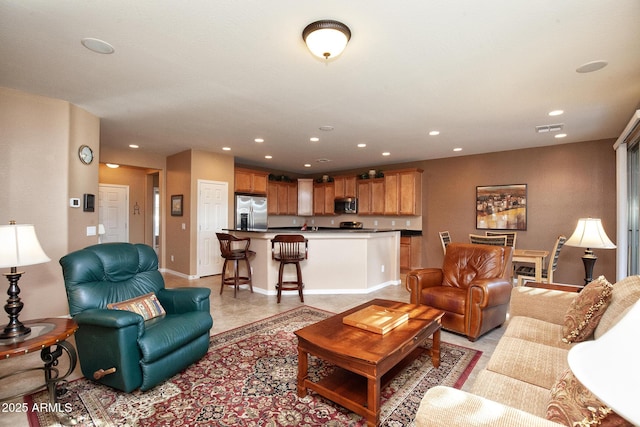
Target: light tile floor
[{"x": 229, "y": 313}]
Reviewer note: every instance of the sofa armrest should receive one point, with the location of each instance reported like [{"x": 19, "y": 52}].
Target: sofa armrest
[
  {"x": 417, "y": 280},
  {"x": 446, "y": 406},
  {"x": 184, "y": 300},
  {"x": 543, "y": 304}
]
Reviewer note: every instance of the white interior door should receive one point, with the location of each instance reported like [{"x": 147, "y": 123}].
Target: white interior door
[
  {"x": 213, "y": 208},
  {"x": 113, "y": 212}
]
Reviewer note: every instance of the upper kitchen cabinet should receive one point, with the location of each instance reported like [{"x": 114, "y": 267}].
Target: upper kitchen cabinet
[
  {"x": 324, "y": 195},
  {"x": 283, "y": 198},
  {"x": 403, "y": 192},
  {"x": 345, "y": 186},
  {"x": 371, "y": 196},
  {"x": 305, "y": 197},
  {"x": 251, "y": 181}
]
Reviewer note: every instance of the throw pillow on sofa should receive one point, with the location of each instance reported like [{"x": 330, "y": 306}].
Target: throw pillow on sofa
[
  {"x": 572, "y": 404},
  {"x": 585, "y": 311},
  {"x": 146, "y": 305}
]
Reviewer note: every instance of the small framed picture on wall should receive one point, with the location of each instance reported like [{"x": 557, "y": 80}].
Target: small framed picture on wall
[{"x": 176, "y": 205}]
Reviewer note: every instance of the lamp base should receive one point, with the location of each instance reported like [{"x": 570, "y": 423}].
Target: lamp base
[
  {"x": 14, "y": 331},
  {"x": 589, "y": 260},
  {"x": 15, "y": 328}
]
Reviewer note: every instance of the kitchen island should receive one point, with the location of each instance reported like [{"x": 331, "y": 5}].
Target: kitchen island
[{"x": 340, "y": 261}]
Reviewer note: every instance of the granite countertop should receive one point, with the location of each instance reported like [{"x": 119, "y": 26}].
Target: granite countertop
[{"x": 403, "y": 232}]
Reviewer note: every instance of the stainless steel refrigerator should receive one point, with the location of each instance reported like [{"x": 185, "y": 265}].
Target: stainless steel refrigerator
[{"x": 251, "y": 212}]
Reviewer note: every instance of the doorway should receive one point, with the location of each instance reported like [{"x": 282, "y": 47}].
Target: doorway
[
  {"x": 113, "y": 212},
  {"x": 213, "y": 208}
]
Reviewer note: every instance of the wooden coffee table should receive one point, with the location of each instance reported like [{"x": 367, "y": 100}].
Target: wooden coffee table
[{"x": 365, "y": 361}]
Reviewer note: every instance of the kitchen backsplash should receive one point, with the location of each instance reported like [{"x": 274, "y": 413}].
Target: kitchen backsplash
[{"x": 368, "y": 221}]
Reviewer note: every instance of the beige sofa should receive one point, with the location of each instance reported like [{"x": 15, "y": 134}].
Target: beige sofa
[{"x": 514, "y": 388}]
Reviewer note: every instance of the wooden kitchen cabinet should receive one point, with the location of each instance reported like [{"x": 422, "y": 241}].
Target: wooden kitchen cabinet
[
  {"x": 410, "y": 253},
  {"x": 324, "y": 195},
  {"x": 250, "y": 181},
  {"x": 371, "y": 196},
  {"x": 305, "y": 197},
  {"x": 403, "y": 192},
  {"x": 283, "y": 198},
  {"x": 410, "y": 192},
  {"x": 345, "y": 186}
]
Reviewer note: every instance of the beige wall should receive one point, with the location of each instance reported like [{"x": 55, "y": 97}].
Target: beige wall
[
  {"x": 39, "y": 172},
  {"x": 178, "y": 244},
  {"x": 564, "y": 182}
]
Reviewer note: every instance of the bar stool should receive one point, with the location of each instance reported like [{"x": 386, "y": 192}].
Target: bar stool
[
  {"x": 290, "y": 251},
  {"x": 235, "y": 249}
]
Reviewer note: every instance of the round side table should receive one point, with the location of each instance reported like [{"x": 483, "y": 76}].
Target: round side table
[{"x": 47, "y": 336}]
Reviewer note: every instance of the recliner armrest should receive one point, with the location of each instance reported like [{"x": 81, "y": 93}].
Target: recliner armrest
[
  {"x": 109, "y": 318},
  {"x": 183, "y": 300}
]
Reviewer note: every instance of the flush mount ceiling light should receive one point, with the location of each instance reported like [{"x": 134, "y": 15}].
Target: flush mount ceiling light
[
  {"x": 97, "y": 46},
  {"x": 592, "y": 66},
  {"x": 326, "y": 39}
]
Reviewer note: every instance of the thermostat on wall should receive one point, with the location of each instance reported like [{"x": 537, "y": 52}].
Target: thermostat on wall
[{"x": 74, "y": 202}]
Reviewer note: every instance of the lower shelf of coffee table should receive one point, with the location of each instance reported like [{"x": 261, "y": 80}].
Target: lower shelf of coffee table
[{"x": 349, "y": 389}]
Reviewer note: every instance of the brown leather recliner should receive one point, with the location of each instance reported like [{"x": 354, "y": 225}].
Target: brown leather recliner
[{"x": 473, "y": 287}]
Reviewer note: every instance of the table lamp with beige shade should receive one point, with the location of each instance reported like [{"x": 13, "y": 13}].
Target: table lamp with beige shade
[
  {"x": 589, "y": 234},
  {"x": 19, "y": 247}
]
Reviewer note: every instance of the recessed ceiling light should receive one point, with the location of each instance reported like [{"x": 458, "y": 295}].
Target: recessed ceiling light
[
  {"x": 362, "y": 145},
  {"x": 457, "y": 149},
  {"x": 560, "y": 135},
  {"x": 556, "y": 112},
  {"x": 307, "y": 165},
  {"x": 268, "y": 157},
  {"x": 314, "y": 139},
  {"x": 97, "y": 46},
  {"x": 386, "y": 153},
  {"x": 259, "y": 140},
  {"x": 592, "y": 66},
  {"x": 226, "y": 148},
  {"x": 434, "y": 133},
  {"x": 326, "y": 128},
  {"x": 134, "y": 146}
]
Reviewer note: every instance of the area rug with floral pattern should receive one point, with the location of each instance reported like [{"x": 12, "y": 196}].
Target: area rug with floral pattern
[{"x": 249, "y": 378}]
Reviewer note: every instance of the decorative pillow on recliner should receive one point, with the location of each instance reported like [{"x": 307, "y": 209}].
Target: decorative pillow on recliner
[
  {"x": 572, "y": 404},
  {"x": 586, "y": 310},
  {"x": 146, "y": 306}
]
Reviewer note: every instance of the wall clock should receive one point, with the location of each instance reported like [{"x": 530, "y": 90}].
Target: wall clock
[{"x": 86, "y": 154}]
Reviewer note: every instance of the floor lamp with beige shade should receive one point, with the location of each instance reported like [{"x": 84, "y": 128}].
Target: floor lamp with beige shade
[{"x": 589, "y": 234}]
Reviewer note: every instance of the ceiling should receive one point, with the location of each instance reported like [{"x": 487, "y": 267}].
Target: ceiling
[{"x": 210, "y": 74}]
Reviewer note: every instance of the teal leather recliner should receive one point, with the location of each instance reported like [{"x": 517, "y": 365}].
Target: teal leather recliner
[{"x": 143, "y": 353}]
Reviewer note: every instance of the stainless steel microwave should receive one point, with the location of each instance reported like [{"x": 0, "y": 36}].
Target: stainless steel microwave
[{"x": 347, "y": 205}]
